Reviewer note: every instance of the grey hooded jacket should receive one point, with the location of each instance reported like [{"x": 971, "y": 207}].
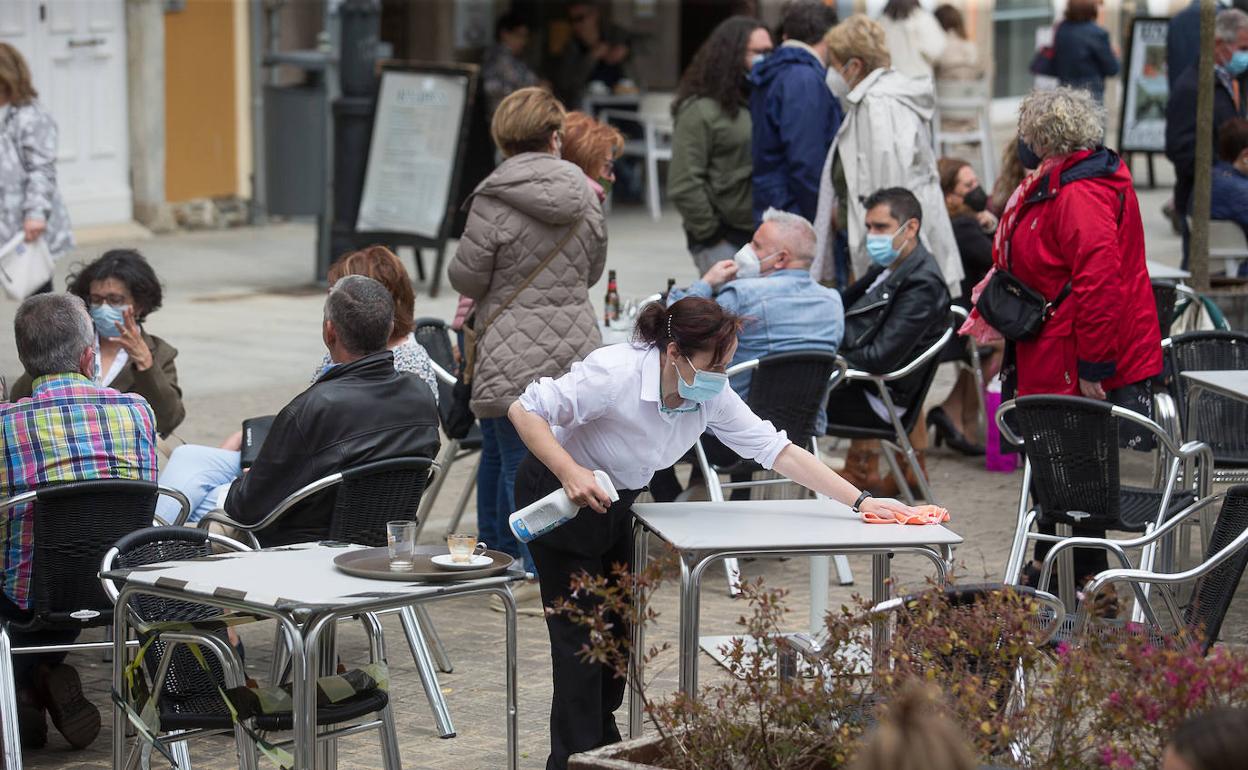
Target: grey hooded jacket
[
  {"x": 28, "y": 175},
  {"x": 518, "y": 215}
]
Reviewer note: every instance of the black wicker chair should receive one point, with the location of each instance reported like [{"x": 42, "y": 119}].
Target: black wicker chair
[
  {"x": 1218, "y": 421},
  {"x": 434, "y": 335},
  {"x": 1071, "y": 474},
  {"x": 190, "y": 701},
  {"x": 1213, "y": 582},
  {"x": 895, "y": 439},
  {"x": 1165, "y": 295},
  {"x": 790, "y": 389},
  {"x": 73, "y": 524}
]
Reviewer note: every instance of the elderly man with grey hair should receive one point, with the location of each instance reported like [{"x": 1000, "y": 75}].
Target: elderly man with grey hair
[
  {"x": 768, "y": 283},
  {"x": 1230, "y": 60},
  {"x": 69, "y": 429},
  {"x": 360, "y": 409}
]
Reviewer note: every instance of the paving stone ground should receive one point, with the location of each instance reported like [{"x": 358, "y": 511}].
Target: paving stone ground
[{"x": 241, "y": 310}]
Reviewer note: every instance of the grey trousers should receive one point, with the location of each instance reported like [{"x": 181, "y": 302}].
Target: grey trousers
[{"x": 704, "y": 258}]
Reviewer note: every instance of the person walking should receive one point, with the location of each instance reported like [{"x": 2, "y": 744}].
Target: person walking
[
  {"x": 914, "y": 38},
  {"x": 30, "y": 201},
  {"x": 1076, "y": 223},
  {"x": 885, "y": 141},
  {"x": 626, "y": 410},
  {"x": 534, "y": 243},
  {"x": 709, "y": 177},
  {"x": 1082, "y": 54}
]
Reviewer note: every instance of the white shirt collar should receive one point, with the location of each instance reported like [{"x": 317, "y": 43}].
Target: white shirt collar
[{"x": 651, "y": 381}]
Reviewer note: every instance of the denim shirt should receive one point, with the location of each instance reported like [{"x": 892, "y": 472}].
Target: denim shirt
[{"x": 784, "y": 310}]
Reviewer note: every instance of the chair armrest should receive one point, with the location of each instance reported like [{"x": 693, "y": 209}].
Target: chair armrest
[
  {"x": 443, "y": 375},
  {"x": 917, "y": 363},
  {"x": 16, "y": 500},
  {"x": 744, "y": 366},
  {"x": 231, "y": 666},
  {"x": 839, "y": 375},
  {"x": 184, "y": 503}
]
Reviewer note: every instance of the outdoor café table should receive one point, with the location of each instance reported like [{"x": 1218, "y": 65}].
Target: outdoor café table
[
  {"x": 704, "y": 532},
  {"x": 300, "y": 588},
  {"x": 1231, "y": 383}
]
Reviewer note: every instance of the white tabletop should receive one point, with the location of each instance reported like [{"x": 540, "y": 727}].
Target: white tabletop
[
  {"x": 1158, "y": 270},
  {"x": 1232, "y": 383},
  {"x": 764, "y": 525},
  {"x": 290, "y": 579}
]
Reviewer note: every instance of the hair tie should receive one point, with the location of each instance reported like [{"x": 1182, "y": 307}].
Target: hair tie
[{"x": 669, "y": 325}]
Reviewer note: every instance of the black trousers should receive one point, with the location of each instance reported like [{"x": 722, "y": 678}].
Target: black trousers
[
  {"x": 24, "y": 665},
  {"x": 586, "y": 696},
  {"x": 848, "y": 405}
]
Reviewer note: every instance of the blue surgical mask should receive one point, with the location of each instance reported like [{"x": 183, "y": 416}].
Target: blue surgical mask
[
  {"x": 757, "y": 59},
  {"x": 881, "y": 249},
  {"x": 705, "y": 385},
  {"x": 106, "y": 317},
  {"x": 1238, "y": 64}
]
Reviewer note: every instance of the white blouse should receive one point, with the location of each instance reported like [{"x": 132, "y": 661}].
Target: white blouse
[{"x": 605, "y": 414}]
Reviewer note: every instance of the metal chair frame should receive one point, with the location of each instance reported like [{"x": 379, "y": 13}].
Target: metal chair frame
[
  {"x": 901, "y": 438},
  {"x": 11, "y": 744},
  {"x": 1180, "y": 419},
  {"x": 975, "y": 367},
  {"x": 1188, "y": 461},
  {"x": 452, "y": 452},
  {"x": 235, "y": 676},
  {"x": 417, "y": 625},
  {"x": 715, "y": 490}
]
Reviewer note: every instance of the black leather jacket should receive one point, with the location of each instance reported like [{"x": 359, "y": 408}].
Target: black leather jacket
[
  {"x": 886, "y": 327},
  {"x": 355, "y": 413}
]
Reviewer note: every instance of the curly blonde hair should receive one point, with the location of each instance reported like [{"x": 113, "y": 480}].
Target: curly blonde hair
[
  {"x": 859, "y": 37},
  {"x": 1060, "y": 121}
]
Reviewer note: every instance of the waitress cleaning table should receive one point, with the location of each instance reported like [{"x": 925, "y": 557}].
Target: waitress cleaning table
[{"x": 628, "y": 410}]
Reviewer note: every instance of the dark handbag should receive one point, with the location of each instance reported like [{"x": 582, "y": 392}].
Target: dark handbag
[
  {"x": 458, "y": 418},
  {"x": 1042, "y": 62},
  {"x": 255, "y": 430},
  {"x": 1014, "y": 308}
]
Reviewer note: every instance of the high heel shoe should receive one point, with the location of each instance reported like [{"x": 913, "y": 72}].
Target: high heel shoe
[{"x": 947, "y": 433}]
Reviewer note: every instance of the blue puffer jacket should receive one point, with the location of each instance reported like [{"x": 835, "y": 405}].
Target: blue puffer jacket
[{"x": 795, "y": 118}]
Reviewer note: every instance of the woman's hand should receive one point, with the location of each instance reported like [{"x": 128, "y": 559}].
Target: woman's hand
[
  {"x": 131, "y": 340},
  {"x": 887, "y": 507},
  {"x": 1091, "y": 389},
  {"x": 582, "y": 488},
  {"x": 34, "y": 228}
]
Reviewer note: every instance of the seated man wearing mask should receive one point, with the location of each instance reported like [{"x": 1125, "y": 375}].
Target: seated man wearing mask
[
  {"x": 894, "y": 312},
  {"x": 359, "y": 410},
  {"x": 768, "y": 284}
]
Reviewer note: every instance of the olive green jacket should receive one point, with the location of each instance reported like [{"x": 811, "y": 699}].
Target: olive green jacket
[
  {"x": 158, "y": 384},
  {"x": 709, "y": 176}
]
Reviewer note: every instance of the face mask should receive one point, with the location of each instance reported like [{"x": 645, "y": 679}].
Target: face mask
[
  {"x": 1238, "y": 64},
  {"x": 757, "y": 59},
  {"x": 106, "y": 317},
  {"x": 836, "y": 83},
  {"x": 1028, "y": 156},
  {"x": 705, "y": 385},
  {"x": 976, "y": 200},
  {"x": 605, "y": 184},
  {"x": 880, "y": 247},
  {"x": 748, "y": 263}
]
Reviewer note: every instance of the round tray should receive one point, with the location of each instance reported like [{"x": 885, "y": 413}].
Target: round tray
[{"x": 374, "y": 563}]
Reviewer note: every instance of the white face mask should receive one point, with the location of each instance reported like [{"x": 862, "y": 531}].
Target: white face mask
[
  {"x": 748, "y": 262},
  {"x": 837, "y": 84}
]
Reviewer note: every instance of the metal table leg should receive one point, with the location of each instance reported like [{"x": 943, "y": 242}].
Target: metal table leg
[
  {"x": 880, "y": 590},
  {"x": 690, "y": 595},
  {"x": 513, "y": 728},
  {"x": 820, "y": 573},
  {"x": 641, "y": 555},
  {"x": 121, "y": 628},
  {"x": 305, "y": 668}
]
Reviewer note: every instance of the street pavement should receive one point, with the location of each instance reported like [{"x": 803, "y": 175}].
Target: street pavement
[{"x": 244, "y": 313}]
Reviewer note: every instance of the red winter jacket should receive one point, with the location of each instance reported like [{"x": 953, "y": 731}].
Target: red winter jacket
[{"x": 1079, "y": 221}]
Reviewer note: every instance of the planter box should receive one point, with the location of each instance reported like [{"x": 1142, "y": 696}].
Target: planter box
[{"x": 635, "y": 754}]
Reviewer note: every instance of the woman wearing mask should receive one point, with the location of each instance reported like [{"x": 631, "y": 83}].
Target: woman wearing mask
[
  {"x": 534, "y": 243},
  {"x": 120, "y": 290},
  {"x": 913, "y": 37},
  {"x": 626, "y": 410},
  {"x": 954, "y": 421},
  {"x": 30, "y": 202},
  {"x": 594, "y": 147},
  {"x": 709, "y": 176},
  {"x": 885, "y": 140},
  {"x": 1076, "y": 223}
]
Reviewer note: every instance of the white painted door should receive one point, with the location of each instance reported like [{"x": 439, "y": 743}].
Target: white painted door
[{"x": 76, "y": 50}]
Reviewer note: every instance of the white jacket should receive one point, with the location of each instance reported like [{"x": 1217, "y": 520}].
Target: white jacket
[
  {"x": 914, "y": 43},
  {"x": 885, "y": 140}
]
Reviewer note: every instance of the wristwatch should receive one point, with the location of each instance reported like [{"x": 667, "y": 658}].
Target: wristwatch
[{"x": 858, "y": 502}]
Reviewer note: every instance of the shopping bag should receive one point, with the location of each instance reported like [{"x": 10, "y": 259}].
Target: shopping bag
[{"x": 24, "y": 267}]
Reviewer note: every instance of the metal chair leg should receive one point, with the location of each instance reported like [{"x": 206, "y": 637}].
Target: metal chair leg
[
  {"x": 281, "y": 658},
  {"x": 445, "y": 459},
  {"x": 428, "y": 676},
  {"x": 895, "y": 469},
  {"x": 8, "y": 704},
  {"x": 390, "y": 759},
  {"x": 462, "y": 503},
  {"x": 434, "y": 640},
  {"x": 844, "y": 575},
  {"x": 182, "y": 753}
]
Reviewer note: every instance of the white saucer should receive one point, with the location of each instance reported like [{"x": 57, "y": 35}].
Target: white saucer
[{"x": 476, "y": 562}]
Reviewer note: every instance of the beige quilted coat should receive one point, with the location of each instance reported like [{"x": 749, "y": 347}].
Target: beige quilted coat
[{"x": 518, "y": 215}]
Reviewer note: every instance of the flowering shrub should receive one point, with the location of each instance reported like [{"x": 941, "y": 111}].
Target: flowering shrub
[{"x": 1108, "y": 701}]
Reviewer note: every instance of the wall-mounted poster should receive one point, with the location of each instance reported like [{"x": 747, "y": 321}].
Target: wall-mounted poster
[
  {"x": 1143, "y": 124},
  {"x": 415, "y": 151}
]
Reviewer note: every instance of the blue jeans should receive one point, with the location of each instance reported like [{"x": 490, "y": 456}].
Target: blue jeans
[
  {"x": 201, "y": 473},
  {"x": 501, "y": 453}
]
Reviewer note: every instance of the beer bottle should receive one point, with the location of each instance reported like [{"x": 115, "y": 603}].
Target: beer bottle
[{"x": 611, "y": 305}]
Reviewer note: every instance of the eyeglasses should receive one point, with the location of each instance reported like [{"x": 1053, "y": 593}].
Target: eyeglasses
[{"x": 109, "y": 299}]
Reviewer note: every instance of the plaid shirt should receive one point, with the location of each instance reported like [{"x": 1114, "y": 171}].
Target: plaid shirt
[{"x": 68, "y": 430}]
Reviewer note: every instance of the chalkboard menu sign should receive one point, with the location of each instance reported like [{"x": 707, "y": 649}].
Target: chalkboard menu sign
[{"x": 1146, "y": 88}]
